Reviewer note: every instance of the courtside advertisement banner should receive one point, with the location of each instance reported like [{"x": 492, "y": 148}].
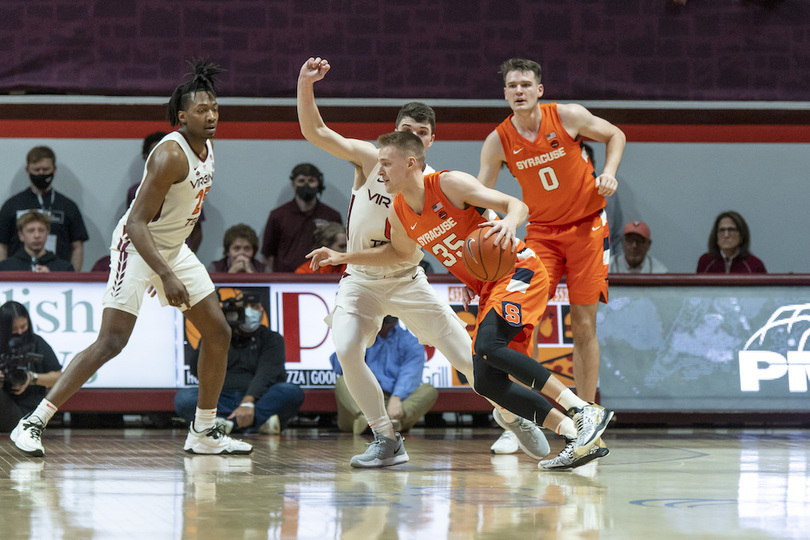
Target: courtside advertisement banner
[
  {"x": 68, "y": 315},
  {"x": 705, "y": 348}
]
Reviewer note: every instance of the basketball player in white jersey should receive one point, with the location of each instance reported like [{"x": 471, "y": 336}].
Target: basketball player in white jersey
[
  {"x": 148, "y": 249},
  {"x": 366, "y": 294}
]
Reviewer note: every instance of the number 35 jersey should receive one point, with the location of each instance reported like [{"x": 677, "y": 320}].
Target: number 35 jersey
[
  {"x": 176, "y": 217},
  {"x": 441, "y": 228},
  {"x": 557, "y": 178}
]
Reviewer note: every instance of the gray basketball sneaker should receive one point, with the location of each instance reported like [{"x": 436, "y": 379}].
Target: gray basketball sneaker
[
  {"x": 590, "y": 421},
  {"x": 529, "y": 436},
  {"x": 567, "y": 460},
  {"x": 381, "y": 452}
]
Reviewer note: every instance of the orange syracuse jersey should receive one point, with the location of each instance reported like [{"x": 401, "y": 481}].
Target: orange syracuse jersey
[{"x": 553, "y": 170}]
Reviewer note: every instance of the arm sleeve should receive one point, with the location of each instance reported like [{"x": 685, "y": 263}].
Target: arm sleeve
[
  {"x": 270, "y": 365},
  {"x": 270, "y": 237},
  {"x": 7, "y": 224},
  {"x": 77, "y": 230},
  {"x": 411, "y": 361}
]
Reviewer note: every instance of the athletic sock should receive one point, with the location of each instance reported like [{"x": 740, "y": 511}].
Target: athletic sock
[
  {"x": 44, "y": 411},
  {"x": 383, "y": 426},
  {"x": 204, "y": 419},
  {"x": 508, "y": 416},
  {"x": 566, "y": 428},
  {"x": 568, "y": 399}
]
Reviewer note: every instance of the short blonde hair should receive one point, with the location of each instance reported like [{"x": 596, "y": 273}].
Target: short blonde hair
[{"x": 32, "y": 216}]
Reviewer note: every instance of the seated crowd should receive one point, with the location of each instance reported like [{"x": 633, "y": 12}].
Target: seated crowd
[{"x": 42, "y": 230}]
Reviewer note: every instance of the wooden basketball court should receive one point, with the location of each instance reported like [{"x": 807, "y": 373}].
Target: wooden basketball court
[{"x": 655, "y": 484}]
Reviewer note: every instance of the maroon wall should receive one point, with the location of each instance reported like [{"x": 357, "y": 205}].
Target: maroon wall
[{"x": 590, "y": 49}]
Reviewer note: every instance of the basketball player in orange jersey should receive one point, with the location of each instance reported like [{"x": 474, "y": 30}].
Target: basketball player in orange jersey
[
  {"x": 148, "y": 250},
  {"x": 567, "y": 229},
  {"x": 368, "y": 293},
  {"x": 442, "y": 209}
]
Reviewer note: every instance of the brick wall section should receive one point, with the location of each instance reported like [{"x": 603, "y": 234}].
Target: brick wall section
[{"x": 589, "y": 49}]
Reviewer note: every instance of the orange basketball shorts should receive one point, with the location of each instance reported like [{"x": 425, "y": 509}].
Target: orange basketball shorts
[
  {"x": 519, "y": 298},
  {"x": 580, "y": 251}
]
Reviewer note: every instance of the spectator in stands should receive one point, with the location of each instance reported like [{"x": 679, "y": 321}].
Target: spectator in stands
[
  {"x": 149, "y": 143},
  {"x": 396, "y": 359},
  {"x": 634, "y": 257},
  {"x": 288, "y": 233},
  {"x": 239, "y": 245},
  {"x": 67, "y": 234},
  {"x": 333, "y": 236},
  {"x": 256, "y": 395},
  {"x": 729, "y": 248},
  {"x": 20, "y": 347},
  {"x": 32, "y": 230}
]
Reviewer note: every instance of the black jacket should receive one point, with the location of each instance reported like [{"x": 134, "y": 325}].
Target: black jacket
[{"x": 21, "y": 261}]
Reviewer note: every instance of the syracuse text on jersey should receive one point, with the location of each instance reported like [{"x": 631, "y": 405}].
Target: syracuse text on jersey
[{"x": 534, "y": 161}]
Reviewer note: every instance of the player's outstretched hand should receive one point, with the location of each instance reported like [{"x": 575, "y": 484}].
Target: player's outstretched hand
[
  {"x": 314, "y": 69},
  {"x": 505, "y": 233},
  {"x": 606, "y": 185},
  {"x": 467, "y": 296},
  {"x": 323, "y": 257}
]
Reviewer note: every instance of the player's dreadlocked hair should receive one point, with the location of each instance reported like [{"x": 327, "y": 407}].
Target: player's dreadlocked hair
[{"x": 203, "y": 79}]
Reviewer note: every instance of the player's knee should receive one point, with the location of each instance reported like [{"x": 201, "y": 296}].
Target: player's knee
[
  {"x": 110, "y": 345},
  {"x": 219, "y": 336}
]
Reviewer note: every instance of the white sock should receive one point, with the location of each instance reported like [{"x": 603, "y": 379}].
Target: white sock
[
  {"x": 44, "y": 411},
  {"x": 566, "y": 428},
  {"x": 383, "y": 426},
  {"x": 569, "y": 399},
  {"x": 508, "y": 416},
  {"x": 204, "y": 419}
]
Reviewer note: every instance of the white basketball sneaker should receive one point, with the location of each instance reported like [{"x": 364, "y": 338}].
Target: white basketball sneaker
[
  {"x": 214, "y": 441},
  {"x": 506, "y": 444},
  {"x": 28, "y": 436}
]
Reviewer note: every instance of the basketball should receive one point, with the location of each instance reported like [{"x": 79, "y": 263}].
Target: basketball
[{"x": 484, "y": 260}]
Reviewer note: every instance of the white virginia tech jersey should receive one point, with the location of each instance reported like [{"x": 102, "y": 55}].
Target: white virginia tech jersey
[
  {"x": 367, "y": 225},
  {"x": 181, "y": 208}
]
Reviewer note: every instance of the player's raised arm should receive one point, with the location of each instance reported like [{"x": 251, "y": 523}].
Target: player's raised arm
[
  {"x": 361, "y": 153},
  {"x": 579, "y": 122},
  {"x": 463, "y": 190},
  {"x": 492, "y": 159},
  {"x": 166, "y": 165}
]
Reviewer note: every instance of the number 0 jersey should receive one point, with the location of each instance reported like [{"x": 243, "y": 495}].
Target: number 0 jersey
[
  {"x": 182, "y": 205},
  {"x": 554, "y": 171}
]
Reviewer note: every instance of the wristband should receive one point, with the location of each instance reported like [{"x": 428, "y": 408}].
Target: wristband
[{"x": 247, "y": 404}]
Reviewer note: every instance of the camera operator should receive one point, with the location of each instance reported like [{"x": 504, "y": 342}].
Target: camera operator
[
  {"x": 256, "y": 395},
  {"x": 29, "y": 365}
]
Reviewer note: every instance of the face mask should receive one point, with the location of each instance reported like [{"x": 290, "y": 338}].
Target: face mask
[
  {"x": 41, "y": 181},
  {"x": 253, "y": 318},
  {"x": 306, "y": 193}
]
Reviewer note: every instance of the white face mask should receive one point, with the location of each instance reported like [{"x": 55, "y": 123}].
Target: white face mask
[{"x": 253, "y": 318}]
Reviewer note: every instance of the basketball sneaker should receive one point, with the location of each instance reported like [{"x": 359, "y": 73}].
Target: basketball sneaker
[
  {"x": 28, "y": 436},
  {"x": 381, "y": 452},
  {"x": 590, "y": 421},
  {"x": 506, "y": 444},
  {"x": 567, "y": 460},
  {"x": 529, "y": 437},
  {"x": 272, "y": 426},
  {"x": 226, "y": 424},
  {"x": 214, "y": 441}
]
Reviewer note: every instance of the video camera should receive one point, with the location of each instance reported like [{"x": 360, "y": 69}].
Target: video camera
[
  {"x": 17, "y": 363},
  {"x": 234, "y": 308}
]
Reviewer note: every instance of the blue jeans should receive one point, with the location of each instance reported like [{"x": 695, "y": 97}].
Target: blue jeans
[{"x": 283, "y": 399}]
